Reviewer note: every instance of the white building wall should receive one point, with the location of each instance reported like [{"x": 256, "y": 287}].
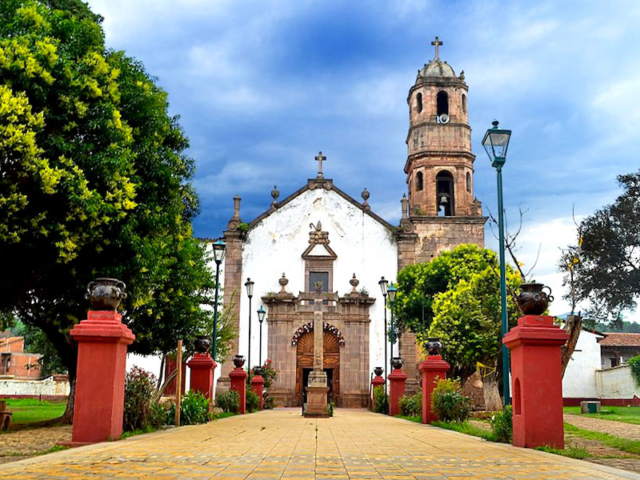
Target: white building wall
[
  {"x": 34, "y": 388},
  {"x": 274, "y": 246},
  {"x": 579, "y": 379},
  {"x": 616, "y": 383}
]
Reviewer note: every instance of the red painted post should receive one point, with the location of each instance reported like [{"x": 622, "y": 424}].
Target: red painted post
[
  {"x": 202, "y": 367},
  {"x": 432, "y": 369},
  {"x": 378, "y": 381},
  {"x": 102, "y": 356},
  {"x": 397, "y": 379},
  {"x": 257, "y": 385},
  {"x": 239, "y": 383},
  {"x": 536, "y": 376}
]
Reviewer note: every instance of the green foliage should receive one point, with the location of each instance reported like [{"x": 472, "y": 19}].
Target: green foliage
[
  {"x": 502, "y": 425},
  {"x": 269, "y": 374},
  {"x": 330, "y": 408},
  {"x": 465, "y": 428},
  {"x": 411, "y": 405},
  {"x": 37, "y": 342},
  {"x": 252, "y": 402},
  {"x": 228, "y": 401},
  {"x": 617, "y": 414},
  {"x": 243, "y": 227},
  {"x": 380, "y": 400},
  {"x": 140, "y": 412},
  {"x": 572, "y": 451},
  {"x": 448, "y": 402},
  {"x": 624, "y": 444},
  {"x": 194, "y": 408},
  {"x": 28, "y": 410},
  {"x": 634, "y": 363}
]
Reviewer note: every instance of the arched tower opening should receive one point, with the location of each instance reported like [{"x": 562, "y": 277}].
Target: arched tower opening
[
  {"x": 442, "y": 102},
  {"x": 419, "y": 181},
  {"x": 445, "y": 194},
  {"x": 419, "y": 102}
]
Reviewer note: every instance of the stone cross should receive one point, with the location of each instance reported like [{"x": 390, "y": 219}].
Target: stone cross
[
  {"x": 436, "y": 44},
  {"x": 318, "y": 330},
  {"x": 320, "y": 158}
]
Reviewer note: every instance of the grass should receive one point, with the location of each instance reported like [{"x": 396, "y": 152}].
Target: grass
[
  {"x": 467, "y": 429},
  {"x": 221, "y": 415},
  {"x": 27, "y": 410},
  {"x": 572, "y": 452},
  {"x": 629, "y": 446},
  {"x": 617, "y": 414},
  {"x": 417, "y": 418}
]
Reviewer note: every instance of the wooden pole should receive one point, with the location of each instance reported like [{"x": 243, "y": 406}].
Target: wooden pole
[{"x": 178, "y": 381}]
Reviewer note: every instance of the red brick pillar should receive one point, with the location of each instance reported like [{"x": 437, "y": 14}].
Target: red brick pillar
[
  {"x": 377, "y": 381},
  {"x": 102, "y": 356},
  {"x": 257, "y": 385},
  {"x": 432, "y": 369},
  {"x": 536, "y": 378},
  {"x": 202, "y": 366},
  {"x": 397, "y": 379},
  {"x": 239, "y": 383}
]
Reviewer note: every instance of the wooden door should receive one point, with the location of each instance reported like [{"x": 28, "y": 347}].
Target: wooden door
[{"x": 331, "y": 361}]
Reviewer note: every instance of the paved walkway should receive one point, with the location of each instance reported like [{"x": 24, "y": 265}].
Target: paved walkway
[{"x": 281, "y": 444}]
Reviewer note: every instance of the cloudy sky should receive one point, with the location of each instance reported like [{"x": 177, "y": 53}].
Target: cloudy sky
[{"x": 262, "y": 86}]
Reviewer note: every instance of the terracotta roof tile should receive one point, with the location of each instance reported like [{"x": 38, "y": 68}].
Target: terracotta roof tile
[{"x": 621, "y": 340}]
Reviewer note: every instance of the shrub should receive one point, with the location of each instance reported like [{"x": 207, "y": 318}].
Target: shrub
[
  {"x": 269, "y": 374},
  {"x": 194, "y": 408},
  {"x": 330, "y": 408},
  {"x": 411, "y": 405},
  {"x": 634, "y": 362},
  {"x": 380, "y": 400},
  {"x": 448, "y": 402},
  {"x": 502, "y": 425},
  {"x": 269, "y": 403},
  {"x": 139, "y": 388},
  {"x": 252, "y": 401},
  {"x": 229, "y": 401},
  {"x": 159, "y": 415}
]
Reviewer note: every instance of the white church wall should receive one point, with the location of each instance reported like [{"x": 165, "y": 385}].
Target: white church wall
[
  {"x": 617, "y": 383},
  {"x": 579, "y": 379},
  {"x": 274, "y": 246}
]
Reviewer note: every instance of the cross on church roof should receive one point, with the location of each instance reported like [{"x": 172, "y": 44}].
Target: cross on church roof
[
  {"x": 320, "y": 158},
  {"x": 436, "y": 44}
]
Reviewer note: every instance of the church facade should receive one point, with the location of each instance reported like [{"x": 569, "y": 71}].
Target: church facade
[{"x": 319, "y": 249}]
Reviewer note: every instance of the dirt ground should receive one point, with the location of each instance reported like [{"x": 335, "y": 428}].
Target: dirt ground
[
  {"x": 617, "y": 429},
  {"x": 17, "y": 445}
]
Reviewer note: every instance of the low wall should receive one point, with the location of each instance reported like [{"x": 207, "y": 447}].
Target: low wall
[
  {"x": 615, "y": 387},
  {"x": 51, "y": 388}
]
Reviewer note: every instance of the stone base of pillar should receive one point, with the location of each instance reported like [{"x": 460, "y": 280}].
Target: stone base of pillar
[
  {"x": 397, "y": 378},
  {"x": 432, "y": 369},
  {"x": 102, "y": 356},
  {"x": 257, "y": 386},
  {"x": 239, "y": 383},
  {"x": 316, "y": 402},
  {"x": 536, "y": 379},
  {"x": 202, "y": 367}
]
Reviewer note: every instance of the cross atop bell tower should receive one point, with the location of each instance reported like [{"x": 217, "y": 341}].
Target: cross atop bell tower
[{"x": 437, "y": 43}]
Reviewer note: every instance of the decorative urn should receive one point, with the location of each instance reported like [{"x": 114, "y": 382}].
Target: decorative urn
[
  {"x": 434, "y": 346},
  {"x": 533, "y": 300},
  {"x": 378, "y": 371},
  {"x": 105, "y": 293},
  {"x": 396, "y": 363},
  {"x": 257, "y": 371},
  {"x": 202, "y": 344},
  {"x": 238, "y": 361}
]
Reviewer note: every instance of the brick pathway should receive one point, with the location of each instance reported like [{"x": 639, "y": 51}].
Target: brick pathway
[{"x": 281, "y": 445}]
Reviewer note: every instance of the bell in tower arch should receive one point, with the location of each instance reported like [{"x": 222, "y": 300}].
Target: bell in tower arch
[{"x": 445, "y": 194}]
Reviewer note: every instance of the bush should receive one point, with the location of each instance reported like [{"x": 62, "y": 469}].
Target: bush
[
  {"x": 411, "y": 405},
  {"x": 269, "y": 403},
  {"x": 380, "y": 400},
  {"x": 269, "y": 374},
  {"x": 229, "y": 401},
  {"x": 194, "y": 408},
  {"x": 139, "y": 388},
  {"x": 159, "y": 415},
  {"x": 634, "y": 362},
  {"x": 448, "y": 403},
  {"x": 252, "y": 403},
  {"x": 502, "y": 425}
]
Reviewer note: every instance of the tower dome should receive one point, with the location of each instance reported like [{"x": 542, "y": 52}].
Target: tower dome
[{"x": 436, "y": 68}]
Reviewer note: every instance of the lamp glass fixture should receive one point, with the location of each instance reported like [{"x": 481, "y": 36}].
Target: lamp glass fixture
[
  {"x": 496, "y": 143},
  {"x": 219, "y": 249},
  {"x": 383, "y": 286},
  {"x": 392, "y": 291},
  {"x": 249, "y": 285},
  {"x": 261, "y": 313}
]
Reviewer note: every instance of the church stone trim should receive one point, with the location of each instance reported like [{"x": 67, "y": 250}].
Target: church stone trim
[{"x": 308, "y": 327}]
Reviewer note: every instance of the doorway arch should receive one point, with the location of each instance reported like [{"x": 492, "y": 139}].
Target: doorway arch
[{"x": 331, "y": 364}]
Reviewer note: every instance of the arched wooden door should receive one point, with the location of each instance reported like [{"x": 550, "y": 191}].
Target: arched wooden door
[{"x": 331, "y": 364}]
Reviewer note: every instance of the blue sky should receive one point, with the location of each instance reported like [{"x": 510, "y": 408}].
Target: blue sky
[{"x": 262, "y": 86}]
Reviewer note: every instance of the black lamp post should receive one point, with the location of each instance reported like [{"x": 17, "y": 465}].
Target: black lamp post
[
  {"x": 219, "y": 249},
  {"x": 249, "y": 285},
  {"x": 496, "y": 142},
  {"x": 261, "y": 314},
  {"x": 383, "y": 288},
  {"x": 391, "y": 292}
]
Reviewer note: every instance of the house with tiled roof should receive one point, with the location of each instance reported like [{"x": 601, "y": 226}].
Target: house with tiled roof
[{"x": 617, "y": 348}]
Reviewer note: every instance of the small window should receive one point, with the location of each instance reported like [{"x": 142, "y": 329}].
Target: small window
[
  {"x": 468, "y": 182},
  {"x": 442, "y": 101},
  {"x": 419, "y": 181},
  {"x": 419, "y": 102},
  {"x": 319, "y": 277},
  {"x": 464, "y": 103}
]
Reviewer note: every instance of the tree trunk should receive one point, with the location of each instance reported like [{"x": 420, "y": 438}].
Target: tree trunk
[
  {"x": 573, "y": 328},
  {"x": 67, "y": 416},
  {"x": 492, "y": 400}
]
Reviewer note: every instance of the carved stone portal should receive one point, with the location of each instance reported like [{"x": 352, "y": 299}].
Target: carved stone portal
[{"x": 317, "y": 389}]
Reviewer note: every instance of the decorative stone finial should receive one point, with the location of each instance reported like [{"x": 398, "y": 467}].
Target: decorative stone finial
[
  {"x": 405, "y": 208},
  {"x": 461, "y": 77},
  {"x": 283, "y": 283},
  {"x": 354, "y": 283},
  {"x": 320, "y": 158},
  {"x": 275, "y": 194},
  {"x": 232, "y": 225},
  {"x": 318, "y": 287},
  {"x": 365, "y": 196}
]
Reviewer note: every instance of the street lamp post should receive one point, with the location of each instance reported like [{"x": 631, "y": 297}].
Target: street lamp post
[
  {"x": 249, "y": 285},
  {"x": 383, "y": 288},
  {"x": 261, "y": 314},
  {"x": 391, "y": 292},
  {"x": 496, "y": 142},
  {"x": 219, "y": 249}
]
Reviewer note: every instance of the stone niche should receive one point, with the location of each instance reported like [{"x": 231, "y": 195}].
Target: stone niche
[{"x": 346, "y": 345}]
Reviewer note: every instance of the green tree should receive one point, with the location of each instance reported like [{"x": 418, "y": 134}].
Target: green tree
[{"x": 94, "y": 182}]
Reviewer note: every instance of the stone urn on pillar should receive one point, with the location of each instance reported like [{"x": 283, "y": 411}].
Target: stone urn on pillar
[
  {"x": 536, "y": 372},
  {"x": 239, "y": 381},
  {"x": 257, "y": 385},
  {"x": 377, "y": 381},
  {"x": 202, "y": 367},
  {"x": 432, "y": 369},
  {"x": 397, "y": 378},
  {"x": 102, "y": 354}
]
